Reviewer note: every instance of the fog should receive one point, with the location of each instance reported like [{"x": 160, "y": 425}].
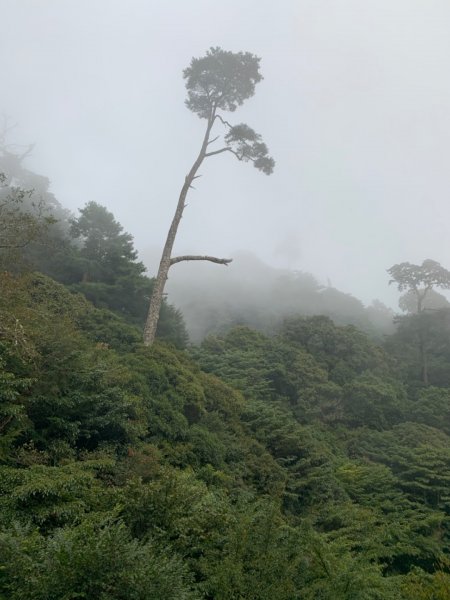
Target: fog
[
  {"x": 354, "y": 107},
  {"x": 255, "y": 294}
]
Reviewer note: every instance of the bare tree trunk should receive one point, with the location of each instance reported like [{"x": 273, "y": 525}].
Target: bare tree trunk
[
  {"x": 166, "y": 260},
  {"x": 164, "y": 266}
]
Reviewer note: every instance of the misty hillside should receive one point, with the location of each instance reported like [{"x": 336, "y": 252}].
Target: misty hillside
[
  {"x": 198, "y": 422},
  {"x": 308, "y": 464},
  {"x": 249, "y": 292},
  {"x": 293, "y": 456}
]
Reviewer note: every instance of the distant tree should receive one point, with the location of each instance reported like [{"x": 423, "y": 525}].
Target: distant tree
[
  {"x": 433, "y": 328},
  {"x": 418, "y": 282},
  {"x": 419, "y": 279},
  {"x": 105, "y": 268},
  {"x": 33, "y": 224},
  {"x": 107, "y": 250},
  {"x": 22, "y": 217},
  {"x": 219, "y": 81}
]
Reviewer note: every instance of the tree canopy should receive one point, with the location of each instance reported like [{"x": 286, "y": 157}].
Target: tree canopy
[
  {"x": 220, "y": 80},
  {"x": 420, "y": 279},
  {"x": 108, "y": 250}
]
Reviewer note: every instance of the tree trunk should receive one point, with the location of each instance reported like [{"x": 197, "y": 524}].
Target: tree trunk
[
  {"x": 424, "y": 367},
  {"x": 422, "y": 348},
  {"x": 165, "y": 264},
  {"x": 423, "y": 353}
]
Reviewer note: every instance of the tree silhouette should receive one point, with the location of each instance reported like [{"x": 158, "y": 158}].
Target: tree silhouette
[{"x": 418, "y": 281}]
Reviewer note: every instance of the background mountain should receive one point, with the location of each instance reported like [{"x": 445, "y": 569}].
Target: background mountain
[{"x": 250, "y": 292}]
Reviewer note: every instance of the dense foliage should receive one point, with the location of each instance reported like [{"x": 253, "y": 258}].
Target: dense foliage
[
  {"x": 297, "y": 466},
  {"x": 310, "y": 464}
]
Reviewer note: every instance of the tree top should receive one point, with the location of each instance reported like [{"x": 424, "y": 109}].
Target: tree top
[
  {"x": 220, "y": 79},
  {"x": 409, "y": 276}
]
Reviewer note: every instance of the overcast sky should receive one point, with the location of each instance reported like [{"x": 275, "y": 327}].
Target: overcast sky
[{"x": 354, "y": 106}]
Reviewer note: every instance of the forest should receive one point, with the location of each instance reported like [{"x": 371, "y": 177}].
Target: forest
[{"x": 303, "y": 457}]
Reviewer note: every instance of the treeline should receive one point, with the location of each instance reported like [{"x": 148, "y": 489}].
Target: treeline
[{"x": 313, "y": 463}]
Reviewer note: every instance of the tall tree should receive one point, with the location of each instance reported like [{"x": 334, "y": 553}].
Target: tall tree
[
  {"x": 418, "y": 281},
  {"x": 219, "y": 81}
]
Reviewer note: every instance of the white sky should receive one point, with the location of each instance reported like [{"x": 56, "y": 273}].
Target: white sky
[{"x": 355, "y": 109}]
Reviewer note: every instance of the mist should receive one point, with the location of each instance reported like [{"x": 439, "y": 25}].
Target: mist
[
  {"x": 353, "y": 106},
  {"x": 252, "y": 293}
]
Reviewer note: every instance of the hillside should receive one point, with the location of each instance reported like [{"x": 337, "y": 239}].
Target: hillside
[
  {"x": 293, "y": 466},
  {"x": 300, "y": 459}
]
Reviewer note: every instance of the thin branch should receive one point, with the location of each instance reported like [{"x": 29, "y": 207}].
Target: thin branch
[
  {"x": 223, "y": 121},
  {"x": 213, "y": 140},
  {"x": 191, "y": 187},
  {"x": 219, "y": 261},
  {"x": 227, "y": 149}
]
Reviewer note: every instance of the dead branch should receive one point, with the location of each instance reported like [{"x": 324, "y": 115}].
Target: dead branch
[{"x": 219, "y": 261}]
